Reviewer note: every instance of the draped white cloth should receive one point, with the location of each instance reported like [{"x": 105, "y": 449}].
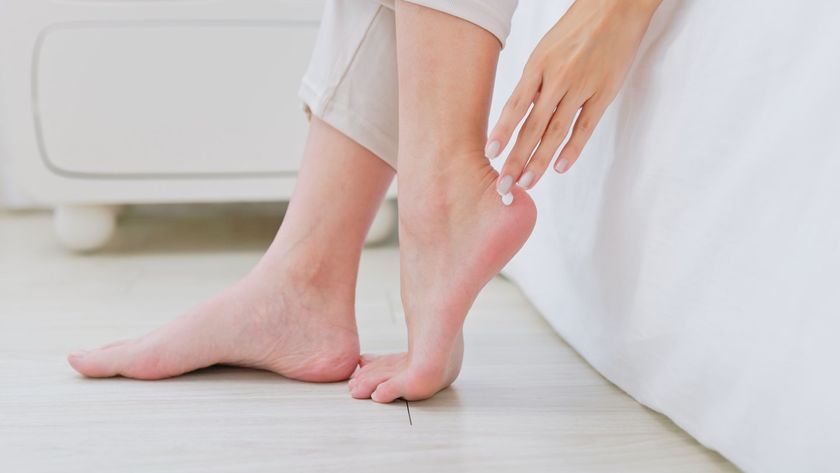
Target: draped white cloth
[{"x": 692, "y": 255}]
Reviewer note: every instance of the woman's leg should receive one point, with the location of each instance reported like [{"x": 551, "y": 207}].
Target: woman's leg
[
  {"x": 294, "y": 312},
  {"x": 455, "y": 233}
]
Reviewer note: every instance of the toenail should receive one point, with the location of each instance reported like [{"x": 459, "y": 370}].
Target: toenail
[
  {"x": 504, "y": 185},
  {"x": 79, "y": 353},
  {"x": 525, "y": 180}
]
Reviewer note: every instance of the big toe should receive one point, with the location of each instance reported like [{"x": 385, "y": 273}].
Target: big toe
[
  {"x": 100, "y": 363},
  {"x": 363, "y": 385},
  {"x": 387, "y": 392}
]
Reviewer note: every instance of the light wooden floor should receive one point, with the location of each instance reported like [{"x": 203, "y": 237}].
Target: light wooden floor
[{"x": 524, "y": 402}]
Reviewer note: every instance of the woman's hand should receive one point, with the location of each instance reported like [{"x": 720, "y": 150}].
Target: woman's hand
[{"x": 579, "y": 65}]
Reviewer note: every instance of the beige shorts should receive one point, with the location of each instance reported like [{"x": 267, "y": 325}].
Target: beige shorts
[{"x": 351, "y": 82}]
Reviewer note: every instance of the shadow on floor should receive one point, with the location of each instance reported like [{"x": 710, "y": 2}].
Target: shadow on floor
[{"x": 196, "y": 228}]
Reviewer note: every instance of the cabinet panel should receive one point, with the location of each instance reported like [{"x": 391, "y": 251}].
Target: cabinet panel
[{"x": 172, "y": 98}]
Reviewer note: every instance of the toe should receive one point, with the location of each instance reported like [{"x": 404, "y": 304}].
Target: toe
[
  {"x": 366, "y": 359},
  {"x": 386, "y": 392},
  {"x": 411, "y": 385},
  {"x": 118, "y": 343},
  {"x": 364, "y": 388},
  {"x": 100, "y": 363},
  {"x": 367, "y": 380}
]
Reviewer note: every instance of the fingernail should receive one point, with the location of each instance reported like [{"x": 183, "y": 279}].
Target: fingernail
[
  {"x": 504, "y": 185},
  {"x": 507, "y": 199},
  {"x": 78, "y": 353},
  {"x": 491, "y": 151},
  {"x": 561, "y": 165},
  {"x": 525, "y": 180}
]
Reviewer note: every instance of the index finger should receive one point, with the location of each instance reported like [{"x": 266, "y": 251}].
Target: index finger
[{"x": 513, "y": 112}]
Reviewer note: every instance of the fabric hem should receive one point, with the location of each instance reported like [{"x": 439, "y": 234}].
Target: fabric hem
[
  {"x": 476, "y": 13},
  {"x": 349, "y": 123}
]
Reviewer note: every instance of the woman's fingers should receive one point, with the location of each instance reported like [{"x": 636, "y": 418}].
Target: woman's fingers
[
  {"x": 528, "y": 138},
  {"x": 589, "y": 117},
  {"x": 525, "y": 93},
  {"x": 555, "y": 133}
]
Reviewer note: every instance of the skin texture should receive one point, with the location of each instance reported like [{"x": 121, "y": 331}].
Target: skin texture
[
  {"x": 293, "y": 314},
  {"x": 455, "y": 233},
  {"x": 578, "y": 66}
]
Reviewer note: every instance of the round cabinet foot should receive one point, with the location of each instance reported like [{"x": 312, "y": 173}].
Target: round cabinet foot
[
  {"x": 383, "y": 224},
  {"x": 84, "y": 227}
]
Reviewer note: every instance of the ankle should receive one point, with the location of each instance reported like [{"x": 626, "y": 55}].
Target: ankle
[
  {"x": 460, "y": 180},
  {"x": 445, "y": 164},
  {"x": 308, "y": 274}
]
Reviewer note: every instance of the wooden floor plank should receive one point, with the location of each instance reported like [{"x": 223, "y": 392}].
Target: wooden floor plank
[{"x": 525, "y": 400}]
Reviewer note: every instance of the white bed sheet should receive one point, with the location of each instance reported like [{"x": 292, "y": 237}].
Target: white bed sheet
[{"x": 692, "y": 255}]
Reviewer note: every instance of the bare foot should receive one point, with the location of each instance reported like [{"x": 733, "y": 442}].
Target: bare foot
[
  {"x": 376, "y": 369},
  {"x": 454, "y": 238},
  {"x": 300, "y": 327}
]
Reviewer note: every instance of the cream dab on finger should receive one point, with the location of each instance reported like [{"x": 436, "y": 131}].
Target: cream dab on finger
[{"x": 507, "y": 199}]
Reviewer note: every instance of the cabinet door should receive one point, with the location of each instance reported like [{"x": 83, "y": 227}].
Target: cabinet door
[{"x": 172, "y": 97}]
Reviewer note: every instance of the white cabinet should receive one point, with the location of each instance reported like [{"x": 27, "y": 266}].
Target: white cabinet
[
  {"x": 104, "y": 103},
  {"x": 210, "y": 98}
]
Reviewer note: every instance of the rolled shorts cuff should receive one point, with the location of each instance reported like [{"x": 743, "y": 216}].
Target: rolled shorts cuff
[
  {"x": 382, "y": 143},
  {"x": 492, "y": 15}
]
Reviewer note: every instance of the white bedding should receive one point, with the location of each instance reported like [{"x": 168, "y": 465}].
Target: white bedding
[{"x": 692, "y": 255}]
